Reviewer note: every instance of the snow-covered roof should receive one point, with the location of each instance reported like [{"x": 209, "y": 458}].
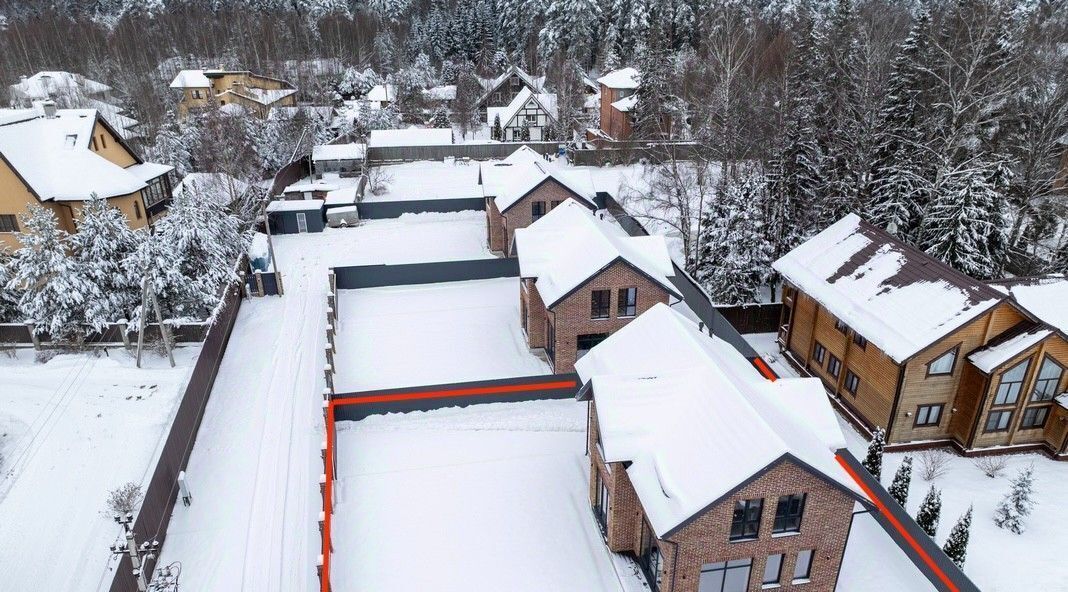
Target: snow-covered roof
[
  {"x": 382, "y": 92},
  {"x": 191, "y": 79},
  {"x": 546, "y": 101},
  {"x": 146, "y": 171},
  {"x": 897, "y": 297},
  {"x": 43, "y": 85},
  {"x": 302, "y": 186},
  {"x": 508, "y": 186},
  {"x": 1046, "y": 298},
  {"x": 490, "y": 84},
  {"x": 262, "y": 96},
  {"x": 233, "y": 109},
  {"x": 1007, "y": 346},
  {"x": 413, "y": 136},
  {"x": 339, "y": 152},
  {"x": 445, "y": 92},
  {"x": 496, "y": 176},
  {"x": 218, "y": 185},
  {"x": 695, "y": 419},
  {"x": 295, "y": 205},
  {"x": 1062, "y": 400},
  {"x": 622, "y": 78},
  {"x": 571, "y": 244},
  {"x": 626, "y": 103},
  {"x": 53, "y": 156},
  {"x": 344, "y": 195}
]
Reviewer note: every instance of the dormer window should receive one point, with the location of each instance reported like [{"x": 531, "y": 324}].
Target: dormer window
[{"x": 71, "y": 140}]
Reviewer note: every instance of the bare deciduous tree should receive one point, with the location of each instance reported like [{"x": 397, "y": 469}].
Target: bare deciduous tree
[{"x": 124, "y": 500}]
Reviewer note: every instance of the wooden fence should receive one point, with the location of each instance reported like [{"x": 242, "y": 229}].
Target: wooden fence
[
  {"x": 162, "y": 492},
  {"x": 290, "y": 174},
  {"x": 629, "y": 152},
  {"x": 115, "y": 334},
  {"x": 386, "y": 154},
  {"x": 753, "y": 318}
]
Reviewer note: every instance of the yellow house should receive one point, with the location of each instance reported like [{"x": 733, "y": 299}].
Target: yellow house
[
  {"x": 204, "y": 89},
  {"x": 60, "y": 158}
]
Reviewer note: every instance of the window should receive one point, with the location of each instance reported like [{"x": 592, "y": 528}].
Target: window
[
  {"x": 71, "y": 140},
  {"x": 554, "y": 203},
  {"x": 156, "y": 192},
  {"x": 9, "y": 223},
  {"x": 650, "y": 559},
  {"x": 628, "y": 302},
  {"x": 531, "y": 118},
  {"x": 1011, "y": 382},
  {"x": 584, "y": 343},
  {"x": 600, "y": 505},
  {"x": 746, "y": 522},
  {"x": 537, "y": 210},
  {"x": 998, "y": 421},
  {"x": 600, "y": 301},
  {"x": 302, "y": 222},
  {"x": 943, "y": 364},
  {"x": 730, "y": 576},
  {"x": 1034, "y": 417},
  {"x": 788, "y": 513},
  {"x": 196, "y": 94},
  {"x": 103, "y": 142},
  {"x": 137, "y": 210},
  {"x": 852, "y": 383},
  {"x": 860, "y": 341},
  {"x": 819, "y": 353},
  {"x": 834, "y": 366},
  {"x": 928, "y": 415},
  {"x": 803, "y": 567},
  {"x": 1049, "y": 376},
  {"x": 772, "y": 569},
  {"x": 841, "y": 326}
]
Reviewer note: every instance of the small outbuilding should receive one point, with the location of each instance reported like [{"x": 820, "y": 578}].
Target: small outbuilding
[
  {"x": 344, "y": 159},
  {"x": 296, "y": 216}
]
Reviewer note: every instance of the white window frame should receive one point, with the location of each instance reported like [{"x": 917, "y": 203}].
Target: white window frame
[{"x": 302, "y": 222}]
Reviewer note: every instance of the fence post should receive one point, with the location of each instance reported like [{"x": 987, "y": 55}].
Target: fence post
[
  {"x": 123, "y": 334},
  {"x": 331, "y": 339},
  {"x": 329, "y": 312},
  {"x": 31, "y": 326},
  {"x": 328, "y": 373},
  {"x": 329, "y": 355},
  {"x": 258, "y": 277}
]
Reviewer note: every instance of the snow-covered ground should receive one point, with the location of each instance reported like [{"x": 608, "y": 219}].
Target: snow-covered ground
[
  {"x": 71, "y": 430},
  {"x": 441, "y": 333},
  {"x": 428, "y": 180},
  {"x": 488, "y": 497},
  {"x": 998, "y": 560},
  {"x": 255, "y": 466}
]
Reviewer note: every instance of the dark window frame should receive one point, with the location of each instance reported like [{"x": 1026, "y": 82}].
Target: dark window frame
[
  {"x": 9, "y": 223},
  {"x": 789, "y": 512},
  {"x": 955, "y": 350},
  {"x": 1043, "y": 409},
  {"x": 722, "y": 568},
  {"x": 778, "y": 572},
  {"x": 1038, "y": 378},
  {"x": 819, "y": 353},
  {"x": 840, "y": 325},
  {"x": 1026, "y": 363},
  {"x": 808, "y": 568},
  {"x": 596, "y": 304},
  {"x": 627, "y": 302},
  {"x": 998, "y": 413},
  {"x": 137, "y": 210},
  {"x": 833, "y": 360},
  {"x": 537, "y": 210},
  {"x": 927, "y": 421},
  {"x": 742, "y": 520},
  {"x": 103, "y": 142},
  {"x": 852, "y": 377},
  {"x": 860, "y": 341}
]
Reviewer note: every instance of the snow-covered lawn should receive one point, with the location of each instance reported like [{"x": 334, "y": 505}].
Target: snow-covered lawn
[
  {"x": 998, "y": 560},
  {"x": 429, "y": 180},
  {"x": 484, "y": 498},
  {"x": 255, "y": 465},
  {"x": 71, "y": 430},
  {"x": 431, "y": 334}
]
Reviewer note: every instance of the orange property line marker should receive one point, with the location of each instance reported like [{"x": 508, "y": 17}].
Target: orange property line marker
[
  {"x": 900, "y": 528},
  {"x": 764, "y": 369},
  {"x": 324, "y": 580}
]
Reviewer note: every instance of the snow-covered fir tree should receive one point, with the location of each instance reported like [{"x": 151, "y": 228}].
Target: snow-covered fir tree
[
  {"x": 873, "y": 461},
  {"x": 440, "y": 118},
  {"x": 956, "y": 547},
  {"x": 100, "y": 250},
  {"x": 496, "y": 132},
  {"x": 570, "y": 26},
  {"x": 653, "y": 97},
  {"x": 1016, "y": 506},
  {"x": 9, "y": 296},
  {"x": 930, "y": 511},
  {"x": 899, "y": 488}
]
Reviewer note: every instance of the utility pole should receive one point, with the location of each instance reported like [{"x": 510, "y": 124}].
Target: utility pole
[
  {"x": 148, "y": 293},
  {"x": 270, "y": 244},
  {"x": 139, "y": 554}
]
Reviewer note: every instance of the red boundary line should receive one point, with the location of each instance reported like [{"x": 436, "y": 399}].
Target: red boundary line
[
  {"x": 764, "y": 369},
  {"x": 900, "y": 528},
  {"x": 328, "y": 489}
]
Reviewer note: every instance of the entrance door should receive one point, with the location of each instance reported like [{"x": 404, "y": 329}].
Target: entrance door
[{"x": 302, "y": 222}]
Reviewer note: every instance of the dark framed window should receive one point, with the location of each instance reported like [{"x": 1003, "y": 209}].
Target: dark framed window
[
  {"x": 943, "y": 364},
  {"x": 860, "y": 341},
  {"x": 928, "y": 415},
  {"x": 788, "y": 513},
  {"x": 998, "y": 421},
  {"x": 1049, "y": 376},
  {"x": 803, "y": 566},
  {"x": 600, "y": 303},
  {"x": 852, "y": 382},
  {"x": 841, "y": 326},
  {"x": 772, "y": 570},
  {"x": 537, "y": 210},
  {"x": 137, "y": 210},
  {"x": 725, "y": 576},
  {"x": 1034, "y": 417},
  {"x": 627, "y": 305},
  {"x": 584, "y": 343},
  {"x": 819, "y": 353},
  {"x": 650, "y": 560},
  {"x": 1011, "y": 382},
  {"x": 746, "y": 523},
  {"x": 103, "y": 142},
  {"x": 554, "y": 203},
  {"x": 601, "y": 504},
  {"x": 834, "y": 366},
  {"x": 9, "y": 223}
]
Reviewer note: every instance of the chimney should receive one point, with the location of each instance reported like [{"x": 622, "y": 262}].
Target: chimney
[{"x": 49, "y": 108}]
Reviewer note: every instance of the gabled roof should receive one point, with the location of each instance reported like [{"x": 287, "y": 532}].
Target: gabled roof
[
  {"x": 351, "y": 151},
  {"x": 190, "y": 79},
  {"x": 897, "y": 297},
  {"x": 570, "y": 245},
  {"x": 536, "y": 83},
  {"x": 382, "y": 92},
  {"x": 45, "y": 84},
  {"x": 546, "y": 102},
  {"x": 524, "y": 178},
  {"x": 496, "y": 175},
  {"x": 1045, "y": 298},
  {"x": 53, "y": 158},
  {"x": 626, "y": 78},
  {"x": 696, "y": 421},
  {"x": 1008, "y": 345}
]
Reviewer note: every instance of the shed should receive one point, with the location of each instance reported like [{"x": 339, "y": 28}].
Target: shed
[
  {"x": 344, "y": 159},
  {"x": 296, "y": 216}
]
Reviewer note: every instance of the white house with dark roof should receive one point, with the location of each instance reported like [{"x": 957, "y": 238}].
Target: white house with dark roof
[
  {"x": 529, "y": 114},
  {"x": 501, "y": 90}
]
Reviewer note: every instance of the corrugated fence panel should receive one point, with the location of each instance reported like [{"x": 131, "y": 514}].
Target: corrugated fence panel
[
  {"x": 381, "y": 154},
  {"x": 374, "y": 276},
  {"x": 374, "y": 210}
]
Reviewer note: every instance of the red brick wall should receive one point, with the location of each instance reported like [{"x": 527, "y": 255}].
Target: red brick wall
[
  {"x": 624, "y": 510},
  {"x": 572, "y": 315},
  {"x": 495, "y": 227},
  {"x": 519, "y": 215},
  {"x": 532, "y": 304}
]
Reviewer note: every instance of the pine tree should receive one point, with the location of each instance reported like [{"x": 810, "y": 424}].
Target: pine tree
[
  {"x": 956, "y": 547},
  {"x": 9, "y": 296},
  {"x": 100, "y": 249},
  {"x": 899, "y": 488},
  {"x": 1018, "y": 503},
  {"x": 653, "y": 95},
  {"x": 440, "y": 119},
  {"x": 570, "y": 25},
  {"x": 930, "y": 511},
  {"x": 524, "y": 132},
  {"x": 497, "y": 133},
  {"x": 874, "y": 460}
]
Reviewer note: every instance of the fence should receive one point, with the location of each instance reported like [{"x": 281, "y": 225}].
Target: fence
[
  {"x": 373, "y": 210},
  {"x": 161, "y": 494},
  {"x": 290, "y": 174},
  {"x": 374, "y": 276},
  {"x": 753, "y": 318},
  {"x": 21, "y": 334},
  {"x": 385, "y": 154},
  {"x": 628, "y": 152}
]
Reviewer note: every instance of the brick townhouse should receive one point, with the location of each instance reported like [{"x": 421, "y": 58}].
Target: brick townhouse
[
  {"x": 521, "y": 189},
  {"x": 714, "y": 478},
  {"x": 582, "y": 278},
  {"x": 934, "y": 357}
]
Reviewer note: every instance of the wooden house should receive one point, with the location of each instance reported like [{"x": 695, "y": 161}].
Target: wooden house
[
  {"x": 500, "y": 91},
  {"x": 529, "y": 114},
  {"x": 255, "y": 93}
]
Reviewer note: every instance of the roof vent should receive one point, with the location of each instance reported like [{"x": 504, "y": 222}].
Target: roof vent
[{"x": 49, "y": 108}]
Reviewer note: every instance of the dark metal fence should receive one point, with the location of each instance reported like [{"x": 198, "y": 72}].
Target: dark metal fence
[
  {"x": 290, "y": 174},
  {"x": 374, "y": 210},
  {"x": 385, "y": 154},
  {"x": 629, "y": 152},
  {"x": 753, "y": 318},
  {"x": 374, "y": 276},
  {"x": 162, "y": 492},
  {"x": 16, "y": 334}
]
